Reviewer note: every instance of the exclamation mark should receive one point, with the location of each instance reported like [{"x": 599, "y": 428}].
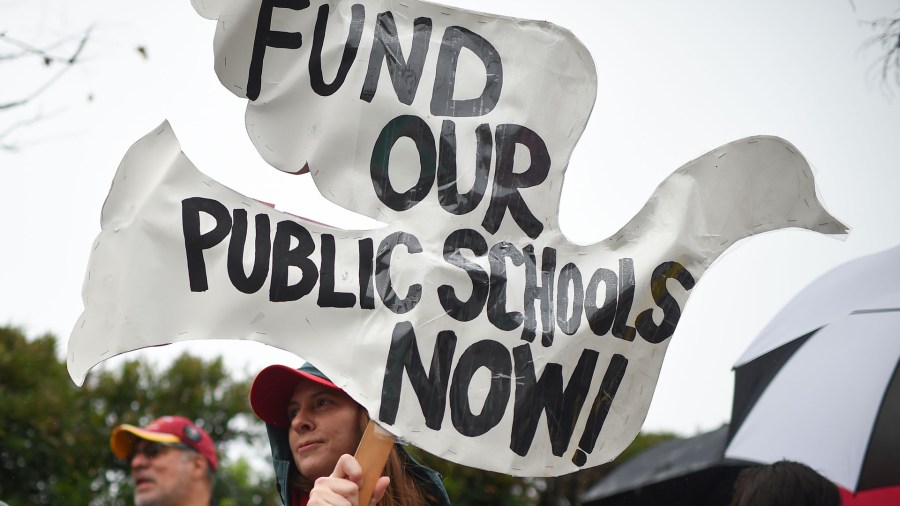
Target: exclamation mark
[{"x": 600, "y": 409}]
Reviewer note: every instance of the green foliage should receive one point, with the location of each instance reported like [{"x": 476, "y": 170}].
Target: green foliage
[
  {"x": 468, "y": 486},
  {"x": 569, "y": 488},
  {"x": 41, "y": 457},
  {"x": 54, "y": 436},
  {"x": 239, "y": 485}
]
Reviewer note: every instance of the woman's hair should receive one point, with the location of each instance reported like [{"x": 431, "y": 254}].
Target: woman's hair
[
  {"x": 784, "y": 483},
  {"x": 404, "y": 490}
]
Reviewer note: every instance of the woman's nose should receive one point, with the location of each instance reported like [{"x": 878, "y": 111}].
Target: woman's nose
[{"x": 302, "y": 421}]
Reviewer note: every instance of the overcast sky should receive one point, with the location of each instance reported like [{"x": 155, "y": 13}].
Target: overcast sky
[{"x": 676, "y": 79}]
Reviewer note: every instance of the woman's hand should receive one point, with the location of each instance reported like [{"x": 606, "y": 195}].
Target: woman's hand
[{"x": 342, "y": 487}]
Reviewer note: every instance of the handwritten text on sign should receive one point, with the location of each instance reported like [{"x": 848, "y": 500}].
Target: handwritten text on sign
[
  {"x": 403, "y": 97},
  {"x": 438, "y": 337},
  {"x": 468, "y": 324},
  {"x": 606, "y": 304}
]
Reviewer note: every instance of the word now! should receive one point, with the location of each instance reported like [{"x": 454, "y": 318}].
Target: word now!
[{"x": 533, "y": 396}]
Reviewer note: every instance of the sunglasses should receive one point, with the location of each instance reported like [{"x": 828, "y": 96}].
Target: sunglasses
[{"x": 152, "y": 448}]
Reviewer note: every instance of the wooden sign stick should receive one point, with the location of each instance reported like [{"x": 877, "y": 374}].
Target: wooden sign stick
[{"x": 372, "y": 454}]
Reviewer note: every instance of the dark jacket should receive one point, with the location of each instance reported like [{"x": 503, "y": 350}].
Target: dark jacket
[{"x": 283, "y": 461}]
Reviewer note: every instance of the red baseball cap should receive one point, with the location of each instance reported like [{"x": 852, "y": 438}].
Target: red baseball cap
[
  {"x": 272, "y": 389},
  {"x": 168, "y": 429}
]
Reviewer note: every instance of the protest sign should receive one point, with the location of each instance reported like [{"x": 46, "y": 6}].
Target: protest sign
[
  {"x": 530, "y": 357},
  {"x": 467, "y": 324},
  {"x": 415, "y": 94}
]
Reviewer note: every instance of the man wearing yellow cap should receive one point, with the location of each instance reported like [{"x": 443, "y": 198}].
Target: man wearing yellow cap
[{"x": 173, "y": 462}]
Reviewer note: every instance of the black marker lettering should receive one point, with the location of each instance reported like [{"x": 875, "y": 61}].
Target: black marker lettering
[
  {"x": 416, "y": 129},
  {"x": 497, "y": 313},
  {"x": 442, "y": 101},
  {"x": 386, "y": 46},
  {"x": 600, "y": 409},
  {"x": 449, "y": 196},
  {"x": 266, "y": 37},
  {"x": 534, "y": 397},
  {"x": 366, "y": 280},
  {"x": 327, "y": 296},
  {"x": 650, "y": 331},
  {"x": 600, "y": 315},
  {"x": 262, "y": 250},
  {"x": 569, "y": 275},
  {"x": 620, "y": 328},
  {"x": 383, "y": 273},
  {"x": 470, "y": 309},
  {"x": 507, "y": 182},
  {"x": 283, "y": 258},
  {"x": 430, "y": 389},
  {"x": 195, "y": 242},
  {"x": 542, "y": 291},
  {"x": 493, "y": 356},
  {"x": 317, "y": 79}
]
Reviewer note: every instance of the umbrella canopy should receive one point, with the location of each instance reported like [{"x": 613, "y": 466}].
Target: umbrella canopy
[
  {"x": 679, "y": 472},
  {"x": 820, "y": 385}
]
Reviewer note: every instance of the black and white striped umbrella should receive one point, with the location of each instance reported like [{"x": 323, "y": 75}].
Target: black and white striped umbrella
[{"x": 820, "y": 384}]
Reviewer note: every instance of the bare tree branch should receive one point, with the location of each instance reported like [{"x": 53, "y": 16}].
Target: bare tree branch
[
  {"x": 887, "y": 65},
  {"x": 15, "y": 126},
  {"x": 27, "y": 49},
  {"x": 49, "y": 58}
]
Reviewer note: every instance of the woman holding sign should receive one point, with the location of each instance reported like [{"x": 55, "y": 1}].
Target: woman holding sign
[{"x": 314, "y": 428}]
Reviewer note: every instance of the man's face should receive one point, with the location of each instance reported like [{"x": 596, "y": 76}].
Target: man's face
[
  {"x": 160, "y": 473},
  {"x": 324, "y": 426}
]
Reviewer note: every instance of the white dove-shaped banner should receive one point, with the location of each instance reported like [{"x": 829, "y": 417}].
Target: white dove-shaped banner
[{"x": 468, "y": 325}]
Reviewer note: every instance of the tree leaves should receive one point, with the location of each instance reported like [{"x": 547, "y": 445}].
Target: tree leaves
[{"x": 54, "y": 436}]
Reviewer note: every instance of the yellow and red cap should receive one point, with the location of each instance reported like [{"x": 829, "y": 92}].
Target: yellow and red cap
[{"x": 168, "y": 429}]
